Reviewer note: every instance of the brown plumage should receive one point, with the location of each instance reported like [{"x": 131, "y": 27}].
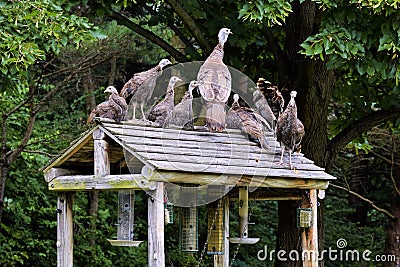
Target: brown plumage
[
  {"x": 114, "y": 108},
  {"x": 262, "y": 106},
  {"x": 289, "y": 129},
  {"x": 272, "y": 95},
  {"x": 182, "y": 114},
  {"x": 141, "y": 86},
  {"x": 247, "y": 121},
  {"x": 159, "y": 112},
  {"x": 215, "y": 87}
]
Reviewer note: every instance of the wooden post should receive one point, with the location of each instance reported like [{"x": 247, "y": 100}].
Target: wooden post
[
  {"x": 65, "y": 238},
  {"x": 156, "y": 255},
  {"x": 310, "y": 235},
  {"x": 101, "y": 159},
  {"x": 223, "y": 260}
]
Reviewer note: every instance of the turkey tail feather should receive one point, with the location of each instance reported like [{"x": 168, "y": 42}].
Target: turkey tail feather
[
  {"x": 263, "y": 142},
  {"x": 215, "y": 117}
]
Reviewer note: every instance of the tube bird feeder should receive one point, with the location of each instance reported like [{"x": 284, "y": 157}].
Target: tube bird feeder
[
  {"x": 243, "y": 219},
  {"x": 125, "y": 226}
]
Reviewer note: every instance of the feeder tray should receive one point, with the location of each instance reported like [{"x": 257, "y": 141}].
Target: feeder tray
[
  {"x": 124, "y": 243},
  {"x": 243, "y": 240},
  {"x": 243, "y": 219}
]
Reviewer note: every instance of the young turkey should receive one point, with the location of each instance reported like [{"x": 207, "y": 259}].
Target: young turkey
[
  {"x": 141, "y": 86},
  {"x": 289, "y": 129},
  {"x": 114, "y": 108},
  {"x": 262, "y": 106},
  {"x": 247, "y": 121},
  {"x": 159, "y": 112},
  {"x": 272, "y": 95},
  {"x": 182, "y": 114},
  {"x": 215, "y": 86}
]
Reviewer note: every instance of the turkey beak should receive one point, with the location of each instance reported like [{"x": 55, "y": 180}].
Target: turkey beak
[
  {"x": 229, "y": 31},
  {"x": 107, "y": 90}
]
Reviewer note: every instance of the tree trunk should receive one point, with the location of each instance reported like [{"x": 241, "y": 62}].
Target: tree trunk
[
  {"x": 93, "y": 206},
  {"x": 289, "y": 236},
  {"x": 392, "y": 242},
  {"x": 314, "y": 84}
]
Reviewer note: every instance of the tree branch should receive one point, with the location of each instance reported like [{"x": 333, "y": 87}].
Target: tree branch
[
  {"x": 121, "y": 19},
  {"x": 172, "y": 26},
  {"x": 191, "y": 24},
  {"x": 366, "y": 200},
  {"x": 357, "y": 128}
]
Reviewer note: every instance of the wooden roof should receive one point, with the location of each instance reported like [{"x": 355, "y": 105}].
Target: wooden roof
[{"x": 133, "y": 147}]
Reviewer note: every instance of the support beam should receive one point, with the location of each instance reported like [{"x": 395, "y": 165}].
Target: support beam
[
  {"x": 65, "y": 238},
  {"x": 310, "y": 235},
  {"x": 223, "y": 260},
  {"x": 156, "y": 255}
]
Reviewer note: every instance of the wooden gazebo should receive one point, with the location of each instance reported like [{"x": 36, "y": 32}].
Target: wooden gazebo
[{"x": 119, "y": 156}]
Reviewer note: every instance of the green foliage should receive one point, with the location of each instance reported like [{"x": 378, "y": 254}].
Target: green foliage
[
  {"x": 32, "y": 29},
  {"x": 274, "y": 12}
]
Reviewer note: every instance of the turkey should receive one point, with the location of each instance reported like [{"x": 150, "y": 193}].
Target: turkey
[
  {"x": 215, "y": 84},
  {"x": 182, "y": 114},
  {"x": 159, "y": 112},
  {"x": 272, "y": 95},
  {"x": 141, "y": 86},
  {"x": 247, "y": 121},
  {"x": 289, "y": 129},
  {"x": 114, "y": 108},
  {"x": 262, "y": 106}
]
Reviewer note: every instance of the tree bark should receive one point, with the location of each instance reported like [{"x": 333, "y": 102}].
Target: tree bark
[
  {"x": 392, "y": 242},
  {"x": 289, "y": 236}
]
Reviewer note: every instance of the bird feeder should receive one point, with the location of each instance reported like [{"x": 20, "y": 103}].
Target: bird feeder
[
  {"x": 168, "y": 209},
  {"x": 188, "y": 237},
  {"x": 216, "y": 227},
  {"x": 243, "y": 219},
  {"x": 189, "y": 233},
  {"x": 125, "y": 226},
  {"x": 304, "y": 217}
]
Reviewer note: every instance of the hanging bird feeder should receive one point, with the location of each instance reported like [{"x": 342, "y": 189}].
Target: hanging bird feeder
[
  {"x": 189, "y": 234},
  {"x": 304, "y": 217},
  {"x": 216, "y": 227},
  {"x": 168, "y": 209},
  {"x": 188, "y": 237},
  {"x": 243, "y": 219},
  {"x": 125, "y": 226}
]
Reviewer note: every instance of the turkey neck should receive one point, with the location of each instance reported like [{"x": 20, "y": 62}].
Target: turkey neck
[
  {"x": 169, "y": 97},
  {"x": 217, "y": 54},
  {"x": 292, "y": 108}
]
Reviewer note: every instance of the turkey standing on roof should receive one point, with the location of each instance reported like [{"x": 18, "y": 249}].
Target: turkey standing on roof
[
  {"x": 272, "y": 95},
  {"x": 159, "y": 112},
  {"x": 141, "y": 86},
  {"x": 215, "y": 87},
  {"x": 262, "y": 106},
  {"x": 182, "y": 114},
  {"x": 114, "y": 108},
  {"x": 289, "y": 129},
  {"x": 247, "y": 121}
]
